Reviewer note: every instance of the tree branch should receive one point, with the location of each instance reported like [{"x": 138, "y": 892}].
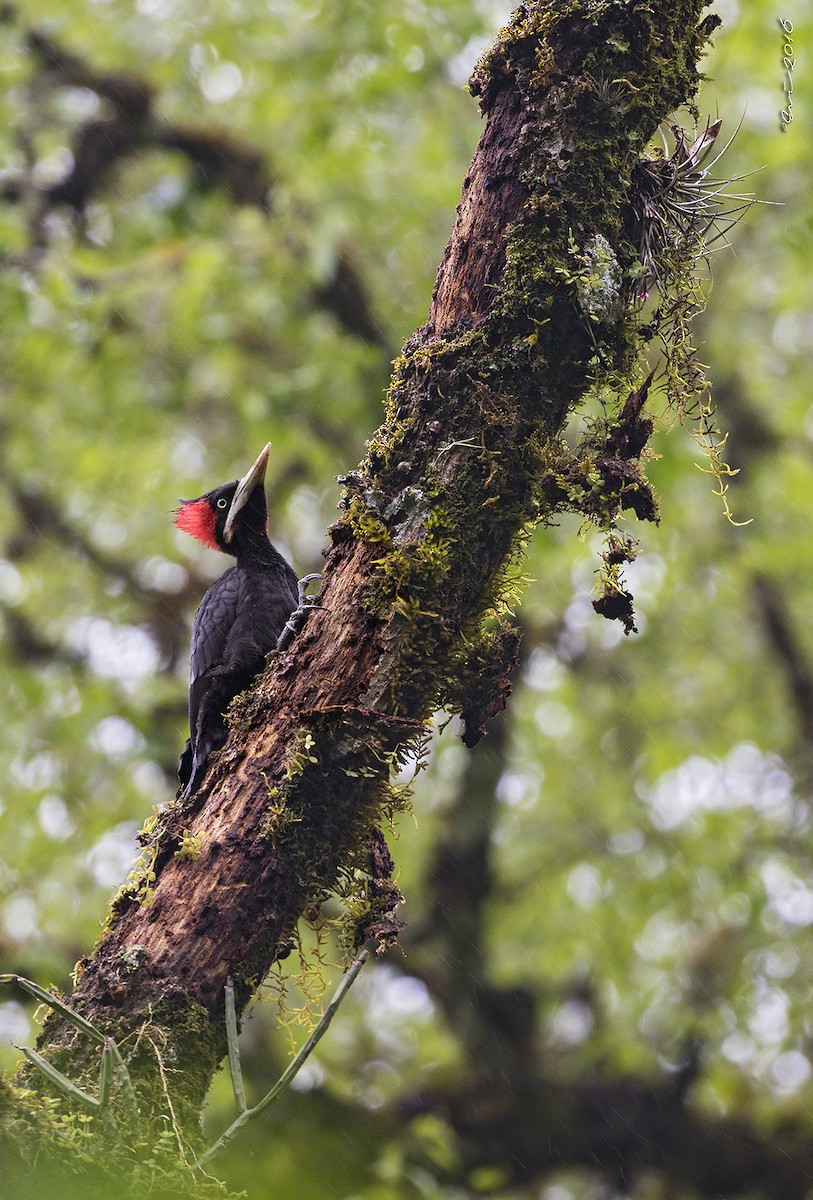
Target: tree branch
[
  {"x": 431, "y": 520},
  {"x": 620, "y": 1128},
  {"x": 218, "y": 160},
  {"x": 519, "y": 1117}
]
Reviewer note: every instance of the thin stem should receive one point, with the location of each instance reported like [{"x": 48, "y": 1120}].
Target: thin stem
[
  {"x": 58, "y": 1079},
  {"x": 106, "y": 1074},
  {"x": 235, "y": 1069},
  {"x": 293, "y": 1067},
  {"x": 82, "y": 1023},
  {"x": 56, "y": 1004}
]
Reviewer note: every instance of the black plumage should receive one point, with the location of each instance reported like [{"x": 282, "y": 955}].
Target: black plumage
[{"x": 240, "y": 617}]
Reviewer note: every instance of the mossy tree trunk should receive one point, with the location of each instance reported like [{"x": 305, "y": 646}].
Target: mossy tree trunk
[{"x": 521, "y": 325}]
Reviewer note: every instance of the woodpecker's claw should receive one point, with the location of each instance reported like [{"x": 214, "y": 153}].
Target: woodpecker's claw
[
  {"x": 294, "y": 622},
  {"x": 306, "y": 601}
]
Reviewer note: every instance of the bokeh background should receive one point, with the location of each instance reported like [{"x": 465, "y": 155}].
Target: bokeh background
[{"x": 218, "y": 223}]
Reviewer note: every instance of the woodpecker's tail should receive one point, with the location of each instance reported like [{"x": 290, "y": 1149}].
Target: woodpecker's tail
[{"x": 194, "y": 759}]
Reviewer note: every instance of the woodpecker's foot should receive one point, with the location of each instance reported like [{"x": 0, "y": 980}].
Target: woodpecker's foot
[
  {"x": 306, "y": 601},
  {"x": 294, "y": 622}
]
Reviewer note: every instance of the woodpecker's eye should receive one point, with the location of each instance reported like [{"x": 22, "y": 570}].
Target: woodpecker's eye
[{"x": 222, "y": 502}]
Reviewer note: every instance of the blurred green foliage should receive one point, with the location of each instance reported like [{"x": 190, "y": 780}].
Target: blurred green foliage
[{"x": 652, "y": 879}]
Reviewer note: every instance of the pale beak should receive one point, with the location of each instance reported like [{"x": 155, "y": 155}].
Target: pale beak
[{"x": 254, "y": 476}]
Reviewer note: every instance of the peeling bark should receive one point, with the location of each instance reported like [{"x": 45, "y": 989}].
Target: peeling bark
[{"x": 493, "y": 197}]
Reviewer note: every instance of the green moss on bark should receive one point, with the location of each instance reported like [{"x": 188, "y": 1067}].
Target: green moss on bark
[
  {"x": 456, "y": 476},
  {"x": 565, "y": 321}
]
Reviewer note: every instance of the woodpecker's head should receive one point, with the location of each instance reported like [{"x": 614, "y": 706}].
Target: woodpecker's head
[{"x": 231, "y": 517}]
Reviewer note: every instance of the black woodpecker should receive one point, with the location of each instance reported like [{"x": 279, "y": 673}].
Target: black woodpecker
[{"x": 242, "y": 615}]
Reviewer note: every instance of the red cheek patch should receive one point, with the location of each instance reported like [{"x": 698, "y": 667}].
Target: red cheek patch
[{"x": 197, "y": 517}]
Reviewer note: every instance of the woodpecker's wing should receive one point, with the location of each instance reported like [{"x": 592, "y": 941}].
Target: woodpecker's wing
[
  {"x": 239, "y": 620},
  {"x": 214, "y": 621}
]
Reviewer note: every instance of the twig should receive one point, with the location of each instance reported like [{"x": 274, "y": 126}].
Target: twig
[
  {"x": 107, "y": 1043},
  {"x": 58, "y": 1079},
  {"x": 105, "y": 1074},
  {"x": 293, "y": 1067},
  {"x": 235, "y": 1069}
]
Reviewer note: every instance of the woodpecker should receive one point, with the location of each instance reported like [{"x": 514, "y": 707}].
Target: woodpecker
[{"x": 242, "y": 615}]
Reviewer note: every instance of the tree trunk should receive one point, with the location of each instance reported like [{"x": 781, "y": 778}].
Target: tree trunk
[{"x": 517, "y": 332}]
